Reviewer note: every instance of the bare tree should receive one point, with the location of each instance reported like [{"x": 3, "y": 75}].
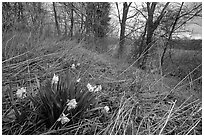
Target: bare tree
[
  {"x": 178, "y": 20},
  {"x": 56, "y": 20},
  {"x": 150, "y": 27},
  {"x": 72, "y": 20},
  {"x": 122, "y": 26},
  {"x": 170, "y": 34}
]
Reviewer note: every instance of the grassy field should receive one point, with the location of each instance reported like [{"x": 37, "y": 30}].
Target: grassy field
[
  {"x": 140, "y": 103},
  {"x": 186, "y": 65}
]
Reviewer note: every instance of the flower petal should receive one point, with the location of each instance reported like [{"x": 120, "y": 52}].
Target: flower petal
[
  {"x": 99, "y": 88},
  {"x": 72, "y": 104},
  {"x": 55, "y": 79},
  {"x": 78, "y": 80},
  {"x": 21, "y": 93},
  {"x": 73, "y": 66},
  {"x": 106, "y": 108},
  {"x": 64, "y": 119}
]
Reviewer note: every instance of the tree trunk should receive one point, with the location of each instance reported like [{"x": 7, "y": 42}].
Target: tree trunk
[
  {"x": 151, "y": 27},
  {"x": 72, "y": 21},
  {"x": 170, "y": 34},
  {"x": 141, "y": 46},
  {"x": 150, "y": 30},
  {"x": 56, "y": 21},
  {"x": 142, "y": 40},
  {"x": 65, "y": 26},
  {"x": 122, "y": 29}
]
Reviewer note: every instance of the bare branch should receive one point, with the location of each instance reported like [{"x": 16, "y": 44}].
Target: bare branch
[
  {"x": 129, "y": 4},
  {"x": 189, "y": 19},
  {"x": 156, "y": 23},
  {"x": 141, "y": 13},
  {"x": 193, "y": 9},
  {"x": 118, "y": 13},
  {"x": 153, "y": 6},
  {"x": 132, "y": 16}
]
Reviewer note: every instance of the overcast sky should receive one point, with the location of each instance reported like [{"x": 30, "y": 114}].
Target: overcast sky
[{"x": 196, "y": 28}]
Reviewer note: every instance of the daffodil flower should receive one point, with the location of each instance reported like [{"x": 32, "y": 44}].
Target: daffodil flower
[
  {"x": 99, "y": 88},
  {"x": 90, "y": 87},
  {"x": 78, "y": 80},
  {"x": 73, "y": 66},
  {"x": 21, "y": 93},
  {"x": 78, "y": 64},
  {"x": 94, "y": 88},
  {"x": 55, "y": 79},
  {"x": 106, "y": 108},
  {"x": 63, "y": 119},
  {"x": 72, "y": 104}
]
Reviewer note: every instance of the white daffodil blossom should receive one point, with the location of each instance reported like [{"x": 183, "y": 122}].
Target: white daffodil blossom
[
  {"x": 55, "y": 79},
  {"x": 63, "y": 119},
  {"x": 73, "y": 66},
  {"x": 21, "y": 93},
  {"x": 90, "y": 87},
  {"x": 72, "y": 104},
  {"x": 94, "y": 88},
  {"x": 99, "y": 88},
  {"x": 78, "y": 64},
  {"x": 106, "y": 108},
  {"x": 78, "y": 80}
]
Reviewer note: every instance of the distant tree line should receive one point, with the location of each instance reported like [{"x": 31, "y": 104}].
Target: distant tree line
[{"x": 90, "y": 18}]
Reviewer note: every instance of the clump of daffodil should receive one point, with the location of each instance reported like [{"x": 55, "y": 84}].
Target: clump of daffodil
[
  {"x": 94, "y": 88},
  {"x": 72, "y": 104},
  {"x": 21, "y": 93},
  {"x": 55, "y": 79},
  {"x": 63, "y": 119}
]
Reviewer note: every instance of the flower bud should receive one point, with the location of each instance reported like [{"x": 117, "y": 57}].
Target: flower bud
[
  {"x": 73, "y": 66},
  {"x": 72, "y": 104},
  {"x": 106, "y": 108},
  {"x": 21, "y": 93},
  {"x": 55, "y": 79},
  {"x": 63, "y": 119}
]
